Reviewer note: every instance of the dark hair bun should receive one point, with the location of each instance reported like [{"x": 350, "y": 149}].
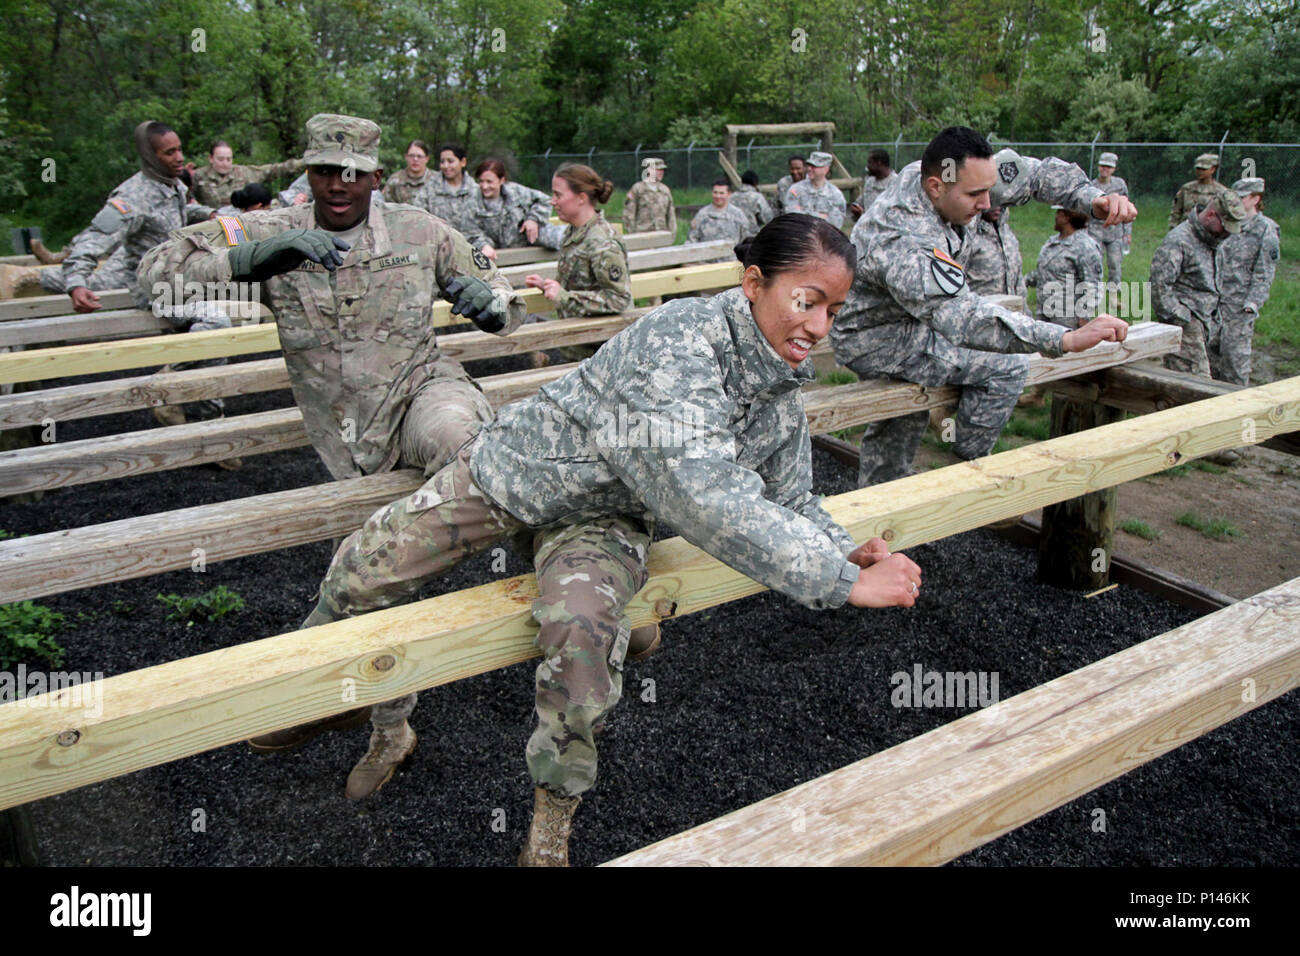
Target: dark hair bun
[{"x": 606, "y": 190}]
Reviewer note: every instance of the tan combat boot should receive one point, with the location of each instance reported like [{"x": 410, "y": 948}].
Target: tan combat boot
[
  {"x": 291, "y": 737},
  {"x": 389, "y": 746},
  {"x": 643, "y": 642},
  {"x": 548, "y": 837},
  {"x": 44, "y": 255}
]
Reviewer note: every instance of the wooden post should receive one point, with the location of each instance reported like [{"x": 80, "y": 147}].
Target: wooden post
[
  {"x": 17, "y": 838},
  {"x": 731, "y": 145},
  {"x": 1078, "y": 536}
]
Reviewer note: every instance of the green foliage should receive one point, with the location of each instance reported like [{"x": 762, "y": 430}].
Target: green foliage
[
  {"x": 1216, "y": 529},
  {"x": 708, "y": 128},
  {"x": 26, "y": 634},
  {"x": 1139, "y": 528},
  {"x": 209, "y": 606},
  {"x": 837, "y": 376}
]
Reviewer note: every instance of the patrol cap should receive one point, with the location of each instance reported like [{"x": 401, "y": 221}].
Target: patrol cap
[
  {"x": 1231, "y": 211},
  {"x": 1108, "y": 159},
  {"x": 1248, "y": 187},
  {"x": 819, "y": 158},
  {"x": 337, "y": 140},
  {"x": 653, "y": 162},
  {"x": 1207, "y": 161}
]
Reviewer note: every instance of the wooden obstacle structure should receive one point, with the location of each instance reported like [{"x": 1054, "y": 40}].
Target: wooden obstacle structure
[{"x": 729, "y": 158}]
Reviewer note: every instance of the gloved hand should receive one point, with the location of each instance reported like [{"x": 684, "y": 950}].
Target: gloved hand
[
  {"x": 473, "y": 298},
  {"x": 261, "y": 259}
]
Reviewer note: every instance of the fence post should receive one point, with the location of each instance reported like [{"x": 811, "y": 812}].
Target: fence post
[
  {"x": 689, "y": 181},
  {"x": 636, "y": 163},
  {"x": 898, "y": 163},
  {"x": 1092, "y": 152},
  {"x": 1219, "y": 168},
  {"x": 749, "y": 153}
]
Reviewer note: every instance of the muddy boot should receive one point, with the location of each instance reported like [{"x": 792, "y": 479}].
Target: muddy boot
[
  {"x": 292, "y": 737},
  {"x": 230, "y": 464},
  {"x": 17, "y": 281},
  {"x": 44, "y": 255},
  {"x": 389, "y": 746},
  {"x": 643, "y": 642},
  {"x": 1228, "y": 457},
  {"x": 548, "y": 837},
  {"x": 538, "y": 359}
]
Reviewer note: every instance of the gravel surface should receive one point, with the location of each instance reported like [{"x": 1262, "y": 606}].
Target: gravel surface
[{"x": 743, "y": 701}]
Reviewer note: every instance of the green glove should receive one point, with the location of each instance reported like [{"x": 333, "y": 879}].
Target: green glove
[
  {"x": 260, "y": 260},
  {"x": 473, "y": 298}
]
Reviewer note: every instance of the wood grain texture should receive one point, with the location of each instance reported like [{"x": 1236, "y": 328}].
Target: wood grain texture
[
  {"x": 531, "y": 254},
  {"x": 936, "y": 796},
  {"x": 39, "y": 306},
  {"x": 173, "y": 710},
  {"x": 641, "y": 261}
]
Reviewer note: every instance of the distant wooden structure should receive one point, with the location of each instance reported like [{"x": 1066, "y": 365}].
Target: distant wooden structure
[{"x": 731, "y": 164}]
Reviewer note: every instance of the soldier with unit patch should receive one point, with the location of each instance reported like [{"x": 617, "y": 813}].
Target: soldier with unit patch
[
  {"x": 911, "y": 313},
  {"x": 353, "y": 282},
  {"x": 721, "y": 219}
]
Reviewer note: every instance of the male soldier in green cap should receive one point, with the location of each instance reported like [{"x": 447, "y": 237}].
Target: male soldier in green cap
[
  {"x": 1185, "y": 280},
  {"x": 1199, "y": 191},
  {"x": 352, "y": 282}
]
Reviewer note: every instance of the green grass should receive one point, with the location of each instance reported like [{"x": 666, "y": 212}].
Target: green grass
[
  {"x": 1216, "y": 529},
  {"x": 838, "y": 376},
  {"x": 26, "y": 634},
  {"x": 209, "y": 606},
  {"x": 1031, "y": 421},
  {"x": 1139, "y": 528}
]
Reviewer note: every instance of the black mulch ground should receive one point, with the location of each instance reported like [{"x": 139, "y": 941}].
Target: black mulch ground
[{"x": 742, "y": 702}]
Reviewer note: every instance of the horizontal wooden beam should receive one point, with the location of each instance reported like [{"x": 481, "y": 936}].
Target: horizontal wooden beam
[
  {"x": 173, "y": 710},
  {"x": 689, "y": 253},
  {"x": 530, "y": 254},
  {"x": 939, "y": 795},
  {"x": 39, "y": 306},
  {"x": 779, "y": 129},
  {"x": 68, "y": 360},
  {"x": 119, "y": 323}
]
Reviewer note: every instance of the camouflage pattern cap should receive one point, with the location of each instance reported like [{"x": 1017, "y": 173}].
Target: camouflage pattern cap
[
  {"x": 1207, "y": 161},
  {"x": 1231, "y": 211},
  {"x": 336, "y": 140},
  {"x": 653, "y": 162},
  {"x": 1108, "y": 159},
  {"x": 819, "y": 158},
  {"x": 1248, "y": 187}
]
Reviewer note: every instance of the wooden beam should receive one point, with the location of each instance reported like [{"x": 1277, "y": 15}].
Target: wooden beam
[
  {"x": 162, "y": 713},
  {"x": 689, "y": 253},
  {"x": 939, "y": 795},
  {"x": 779, "y": 129},
  {"x": 38, "y": 306},
  {"x": 729, "y": 168},
  {"x": 68, "y": 360},
  {"x": 531, "y": 254},
  {"x": 118, "y": 323}
]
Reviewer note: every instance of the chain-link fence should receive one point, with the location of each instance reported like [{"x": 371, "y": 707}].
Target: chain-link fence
[{"x": 1151, "y": 169}]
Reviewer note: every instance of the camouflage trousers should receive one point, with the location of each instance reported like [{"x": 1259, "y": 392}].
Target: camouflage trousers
[
  {"x": 1193, "y": 354},
  {"x": 1230, "y": 362},
  {"x": 198, "y": 317},
  {"x": 586, "y": 574},
  {"x": 1112, "y": 253},
  {"x": 991, "y": 384}
]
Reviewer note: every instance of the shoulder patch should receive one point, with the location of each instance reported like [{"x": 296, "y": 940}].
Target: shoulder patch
[
  {"x": 480, "y": 260},
  {"x": 121, "y": 205},
  {"x": 615, "y": 273},
  {"x": 950, "y": 276},
  {"x": 233, "y": 229},
  {"x": 1007, "y": 172}
]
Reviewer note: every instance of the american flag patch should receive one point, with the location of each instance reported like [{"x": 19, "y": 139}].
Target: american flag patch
[
  {"x": 120, "y": 206},
  {"x": 234, "y": 230}
]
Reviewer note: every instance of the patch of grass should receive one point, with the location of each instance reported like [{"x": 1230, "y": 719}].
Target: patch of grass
[
  {"x": 1030, "y": 422},
  {"x": 26, "y": 634},
  {"x": 837, "y": 376},
  {"x": 1216, "y": 529},
  {"x": 1208, "y": 467},
  {"x": 1139, "y": 528},
  {"x": 849, "y": 434},
  {"x": 209, "y": 606}
]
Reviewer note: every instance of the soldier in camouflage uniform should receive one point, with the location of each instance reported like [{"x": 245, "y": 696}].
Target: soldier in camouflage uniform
[
  {"x": 995, "y": 266},
  {"x": 798, "y": 170},
  {"x": 448, "y": 196},
  {"x": 1068, "y": 274},
  {"x": 878, "y": 178},
  {"x": 215, "y": 183},
  {"x": 911, "y": 314},
  {"x": 504, "y": 215},
  {"x": 721, "y": 219},
  {"x": 692, "y": 414},
  {"x": 751, "y": 201},
  {"x": 356, "y": 329},
  {"x": 591, "y": 275},
  {"x": 648, "y": 206},
  {"x": 1115, "y": 241},
  {"x": 1185, "y": 280},
  {"x": 1247, "y": 262},
  {"x": 1199, "y": 191},
  {"x": 815, "y": 196},
  {"x": 408, "y": 180}
]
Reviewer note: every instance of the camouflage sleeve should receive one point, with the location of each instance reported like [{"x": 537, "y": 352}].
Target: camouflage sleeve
[
  {"x": 1264, "y": 269},
  {"x": 1050, "y": 180},
  {"x": 792, "y": 203},
  {"x": 765, "y": 214},
  {"x": 539, "y": 209},
  {"x": 629, "y": 209},
  {"x": 787, "y": 476},
  {"x": 672, "y": 219},
  {"x": 456, "y": 257},
  {"x": 269, "y": 171},
  {"x": 194, "y": 254},
  {"x": 1090, "y": 263},
  {"x": 712, "y": 500},
  {"x": 1166, "y": 265},
  {"x": 551, "y": 236},
  {"x": 1176, "y": 212},
  {"x": 835, "y": 215},
  {"x": 609, "y": 266},
  {"x": 694, "y": 234},
  {"x": 106, "y": 232},
  {"x": 390, "y": 190},
  {"x": 197, "y": 212},
  {"x": 935, "y": 292}
]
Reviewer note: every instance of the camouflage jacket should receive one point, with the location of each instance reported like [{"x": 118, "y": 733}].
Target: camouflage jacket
[
  {"x": 1184, "y": 279},
  {"x": 498, "y": 222},
  {"x": 358, "y": 342},
  {"x": 1190, "y": 195},
  {"x": 690, "y": 416},
  {"x": 730, "y": 223},
  {"x": 910, "y": 294},
  {"x": 995, "y": 266},
  {"x": 592, "y": 269},
  {"x": 438, "y": 197},
  {"x": 1120, "y": 231},
  {"x": 825, "y": 203},
  {"x": 295, "y": 189},
  {"x": 751, "y": 201},
  {"x": 214, "y": 189},
  {"x": 873, "y": 188},
  {"x": 1247, "y": 262},
  {"x": 401, "y": 186},
  {"x": 138, "y": 215},
  {"x": 649, "y": 208},
  {"x": 782, "y": 202},
  {"x": 1068, "y": 279}
]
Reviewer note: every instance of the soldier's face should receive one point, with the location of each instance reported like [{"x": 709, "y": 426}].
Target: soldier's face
[
  {"x": 796, "y": 169},
  {"x": 222, "y": 159},
  {"x": 795, "y": 310},
  {"x": 168, "y": 150},
  {"x": 342, "y": 195},
  {"x": 1104, "y": 172},
  {"x": 960, "y": 201},
  {"x": 451, "y": 165},
  {"x": 720, "y": 196},
  {"x": 1062, "y": 220},
  {"x": 1253, "y": 202},
  {"x": 417, "y": 161},
  {"x": 659, "y": 174},
  {"x": 1210, "y": 220},
  {"x": 569, "y": 205},
  {"x": 818, "y": 174},
  {"x": 489, "y": 184},
  {"x": 1205, "y": 175},
  {"x": 993, "y": 214}
]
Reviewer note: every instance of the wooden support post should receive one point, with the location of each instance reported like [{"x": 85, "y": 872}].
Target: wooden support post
[
  {"x": 18, "y": 838},
  {"x": 731, "y": 146},
  {"x": 1078, "y": 536}
]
